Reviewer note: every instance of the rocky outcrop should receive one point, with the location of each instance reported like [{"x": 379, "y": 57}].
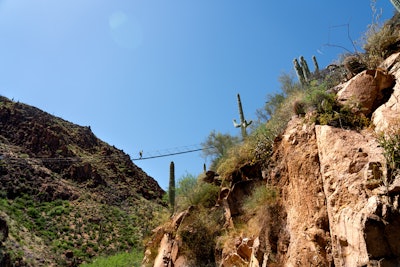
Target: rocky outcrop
[
  {"x": 304, "y": 238},
  {"x": 167, "y": 244},
  {"x": 387, "y": 115},
  {"x": 340, "y": 207},
  {"x": 367, "y": 91},
  {"x": 337, "y": 204},
  {"x": 345, "y": 158}
]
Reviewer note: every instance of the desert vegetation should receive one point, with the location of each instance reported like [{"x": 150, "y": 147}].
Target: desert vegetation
[{"x": 80, "y": 227}]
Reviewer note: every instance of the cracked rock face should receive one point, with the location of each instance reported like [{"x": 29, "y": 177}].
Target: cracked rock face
[
  {"x": 340, "y": 208},
  {"x": 344, "y": 158}
]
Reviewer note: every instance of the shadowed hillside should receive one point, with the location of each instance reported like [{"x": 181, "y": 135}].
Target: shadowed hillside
[{"x": 67, "y": 196}]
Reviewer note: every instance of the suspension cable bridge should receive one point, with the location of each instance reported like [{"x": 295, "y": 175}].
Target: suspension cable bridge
[
  {"x": 142, "y": 155},
  {"x": 170, "y": 152}
]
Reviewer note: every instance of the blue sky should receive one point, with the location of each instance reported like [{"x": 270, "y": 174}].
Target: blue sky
[{"x": 158, "y": 75}]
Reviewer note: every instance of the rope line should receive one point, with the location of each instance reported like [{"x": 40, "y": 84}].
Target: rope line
[
  {"x": 150, "y": 155},
  {"x": 169, "y": 154}
]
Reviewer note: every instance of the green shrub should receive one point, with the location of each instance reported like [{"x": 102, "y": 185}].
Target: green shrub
[
  {"x": 317, "y": 98},
  {"x": 122, "y": 259},
  {"x": 32, "y": 212},
  {"x": 391, "y": 146},
  {"x": 216, "y": 146},
  {"x": 237, "y": 156},
  {"x": 261, "y": 196},
  {"x": 192, "y": 192}
]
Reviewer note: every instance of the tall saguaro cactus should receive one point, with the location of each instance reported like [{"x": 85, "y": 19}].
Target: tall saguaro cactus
[
  {"x": 396, "y": 4},
  {"x": 243, "y": 123},
  {"x": 171, "y": 188}
]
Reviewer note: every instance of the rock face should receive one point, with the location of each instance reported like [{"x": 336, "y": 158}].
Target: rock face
[
  {"x": 341, "y": 208},
  {"x": 338, "y": 209},
  {"x": 304, "y": 240},
  {"x": 345, "y": 157}
]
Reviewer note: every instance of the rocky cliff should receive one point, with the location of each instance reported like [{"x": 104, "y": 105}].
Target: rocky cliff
[
  {"x": 65, "y": 195},
  {"x": 337, "y": 193}
]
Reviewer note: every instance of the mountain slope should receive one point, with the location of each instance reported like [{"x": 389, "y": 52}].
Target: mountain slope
[{"x": 64, "y": 190}]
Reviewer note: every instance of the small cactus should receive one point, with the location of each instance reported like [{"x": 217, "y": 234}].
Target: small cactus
[
  {"x": 243, "y": 123},
  {"x": 171, "y": 188}
]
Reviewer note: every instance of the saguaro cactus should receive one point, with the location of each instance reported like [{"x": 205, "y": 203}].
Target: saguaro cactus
[
  {"x": 303, "y": 71},
  {"x": 243, "y": 123},
  {"x": 171, "y": 188},
  {"x": 299, "y": 72},
  {"x": 396, "y": 4},
  {"x": 306, "y": 69}
]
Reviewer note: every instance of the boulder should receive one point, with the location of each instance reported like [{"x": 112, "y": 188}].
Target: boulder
[{"x": 367, "y": 90}]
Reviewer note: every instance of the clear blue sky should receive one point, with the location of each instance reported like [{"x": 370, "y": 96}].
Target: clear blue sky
[{"x": 153, "y": 75}]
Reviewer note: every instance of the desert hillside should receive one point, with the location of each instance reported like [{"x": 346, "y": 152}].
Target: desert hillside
[{"x": 67, "y": 196}]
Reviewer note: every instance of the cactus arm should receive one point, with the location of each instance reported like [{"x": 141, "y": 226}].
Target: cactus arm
[{"x": 316, "y": 67}]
